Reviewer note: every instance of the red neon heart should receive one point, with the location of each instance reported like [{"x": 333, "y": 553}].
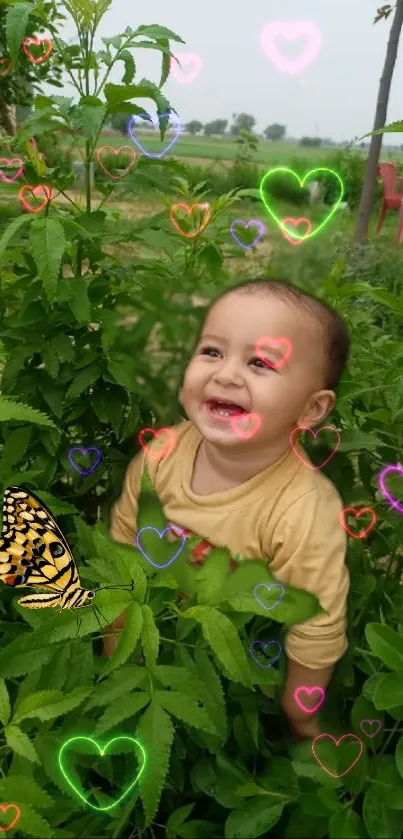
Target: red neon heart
[
  {"x": 4, "y": 808},
  {"x": 337, "y": 742},
  {"x": 116, "y": 152},
  {"x": 315, "y": 434},
  {"x": 274, "y": 343},
  {"x": 357, "y": 513},
  {"x": 189, "y": 210},
  {"x": 36, "y": 42},
  {"x": 11, "y": 160},
  {"x": 5, "y": 61},
  {"x": 35, "y": 190},
  {"x": 240, "y": 418},
  {"x": 296, "y": 222},
  {"x": 157, "y": 454}
]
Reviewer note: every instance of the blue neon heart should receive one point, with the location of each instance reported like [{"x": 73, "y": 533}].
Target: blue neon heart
[
  {"x": 154, "y": 121},
  {"x": 268, "y": 587},
  {"x": 160, "y": 534},
  {"x": 265, "y": 645}
]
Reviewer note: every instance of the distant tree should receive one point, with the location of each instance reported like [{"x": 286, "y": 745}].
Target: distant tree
[
  {"x": 242, "y": 122},
  {"x": 217, "y": 126},
  {"x": 120, "y": 122},
  {"x": 194, "y": 126},
  {"x": 310, "y": 141},
  {"x": 274, "y": 131}
]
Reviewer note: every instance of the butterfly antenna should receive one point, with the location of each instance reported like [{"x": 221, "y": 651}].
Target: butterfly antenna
[{"x": 96, "y": 610}]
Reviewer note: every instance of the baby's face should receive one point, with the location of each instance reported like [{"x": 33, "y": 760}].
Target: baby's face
[{"x": 226, "y": 377}]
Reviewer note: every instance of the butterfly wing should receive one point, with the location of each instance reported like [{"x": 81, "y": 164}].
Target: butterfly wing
[{"x": 33, "y": 550}]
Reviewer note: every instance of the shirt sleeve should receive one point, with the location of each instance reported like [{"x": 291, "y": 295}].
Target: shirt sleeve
[
  {"x": 308, "y": 552},
  {"x": 123, "y": 525}
]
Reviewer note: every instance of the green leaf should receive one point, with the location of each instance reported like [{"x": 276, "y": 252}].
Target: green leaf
[
  {"x": 389, "y": 692},
  {"x": 391, "y": 128},
  {"x": 211, "y": 577},
  {"x": 381, "y": 823},
  {"x": 68, "y": 702},
  {"x": 255, "y": 818},
  {"x": 130, "y": 66},
  {"x": 224, "y": 640},
  {"x": 20, "y": 743},
  {"x": 212, "y": 693},
  {"x": 29, "y": 706},
  {"x": 150, "y": 637},
  {"x": 156, "y": 731},
  {"x": 32, "y": 824},
  {"x": 117, "y": 685},
  {"x": 399, "y": 756},
  {"x": 127, "y": 707},
  {"x": 83, "y": 380},
  {"x": 90, "y": 118},
  {"x": 10, "y": 410},
  {"x": 185, "y": 708},
  {"x": 5, "y": 707},
  {"x": 157, "y": 32},
  {"x": 386, "y": 644},
  {"x": 177, "y": 818},
  {"x": 78, "y": 299},
  {"x": 345, "y": 824},
  {"x": 128, "y": 638},
  {"x": 48, "y": 241},
  {"x": 35, "y": 795},
  {"x": 16, "y": 23},
  {"x": 13, "y": 228}
]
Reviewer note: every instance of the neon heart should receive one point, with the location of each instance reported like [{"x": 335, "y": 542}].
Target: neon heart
[
  {"x": 337, "y": 742},
  {"x": 309, "y": 691},
  {"x": 102, "y": 753},
  {"x": 10, "y": 161},
  {"x": 160, "y": 534},
  {"x": 189, "y": 211},
  {"x": 4, "y": 808},
  {"x": 301, "y": 182},
  {"x": 35, "y": 190},
  {"x": 85, "y": 452},
  {"x": 256, "y": 223},
  {"x": 268, "y": 588},
  {"x": 242, "y": 418},
  {"x": 273, "y": 344},
  {"x": 292, "y": 31},
  {"x": 116, "y": 152},
  {"x": 386, "y": 471},
  {"x": 378, "y": 726},
  {"x": 265, "y": 645},
  {"x": 8, "y": 68},
  {"x": 296, "y": 222},
  {"x": 357, "y": 513},
  {"x": 159, "y": 453},
  {"x": 37, "y": 41},
  {"x": 314, "y": 434},
  {"x": 154, "y": 122},
  {"x": 186, "y": 59}
]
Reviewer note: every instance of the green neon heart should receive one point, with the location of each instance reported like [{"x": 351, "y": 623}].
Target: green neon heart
[
  {"x": 101, "y": 752},
  {"x": 301, "y": 183}
]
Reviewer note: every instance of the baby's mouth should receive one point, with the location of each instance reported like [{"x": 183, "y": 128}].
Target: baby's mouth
[{"x": 225, "y": 409}]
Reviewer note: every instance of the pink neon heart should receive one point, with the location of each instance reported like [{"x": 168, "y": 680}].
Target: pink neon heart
[
  {"x": 314, "y": 434},
  {"x": 337, "y": 742},
  {"x": 9, "y": 161},
  {"x": 371, "y": 723},
  {"x": 296, "y": 222},
  {"x": 291, "y": 31},
  {"x": 274, "y": 343},
  {"x": 186, "y": 59},
  {"x": 309, "y": 691},
  {"x": 240, "y": 418}
]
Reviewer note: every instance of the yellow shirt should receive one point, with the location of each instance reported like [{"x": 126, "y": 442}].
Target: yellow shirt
[{"x": 288, "y": 514}]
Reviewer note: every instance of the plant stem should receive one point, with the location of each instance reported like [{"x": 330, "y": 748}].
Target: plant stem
[
  {"x": 174, "y": 641},
  {"x": 386, "y": 743}
]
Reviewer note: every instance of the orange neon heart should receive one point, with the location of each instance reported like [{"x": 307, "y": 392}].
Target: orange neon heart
[
  {"x": 314, "y": 434},
  {"x": 157, "y": 453},
  {"x": 35, "y": 190},
  {"x": 356, "y": 512},
  {"x": 296, "y": 222},
  {"x": 116, "y": 152},
  {"x": 37, "y": 41},
  {"x": 337, "y": 743},
  {"x": 189, "y": 211},
  {"x": 4, "y": 808},
  {"x": 5, "y": 61}
]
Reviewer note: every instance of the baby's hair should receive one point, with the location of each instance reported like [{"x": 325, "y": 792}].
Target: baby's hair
[{"x": 335, "y": 332}]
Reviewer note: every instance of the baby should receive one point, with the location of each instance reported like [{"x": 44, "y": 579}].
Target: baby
[{"x": 233, "y": 477}]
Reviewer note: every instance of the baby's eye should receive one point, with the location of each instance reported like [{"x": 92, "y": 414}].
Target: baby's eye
[
  {"x": 209, "y": 351},
  {"x": 263, "y": 364}
]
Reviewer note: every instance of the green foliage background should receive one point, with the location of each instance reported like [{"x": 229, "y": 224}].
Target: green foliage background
[{"x": 181, "y": 680}]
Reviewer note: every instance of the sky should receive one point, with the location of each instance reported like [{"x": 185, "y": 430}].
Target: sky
[{"x": 333, "y": 96}]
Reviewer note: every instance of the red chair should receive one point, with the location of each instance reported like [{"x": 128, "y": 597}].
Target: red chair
[{"x": 392, "y": 197}]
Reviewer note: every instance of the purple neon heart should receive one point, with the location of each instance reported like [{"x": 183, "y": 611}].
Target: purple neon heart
[
  {"x": 85, "y": 452},
  {"x": 160, "y": 534},
  {"x": 268, "y": 587},
  {"x": 256, "y": 222},
  {"x": 265, "y": 645},
  {"x": 371, "y": 722},
  {"x": 386, "y": 493},
  {"x": 154, "y": 121}
]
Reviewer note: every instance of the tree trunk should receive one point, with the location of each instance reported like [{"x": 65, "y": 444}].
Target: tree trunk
[
  {"x": 8, "y": 122},
  {"x": 367, "y": 195}
]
